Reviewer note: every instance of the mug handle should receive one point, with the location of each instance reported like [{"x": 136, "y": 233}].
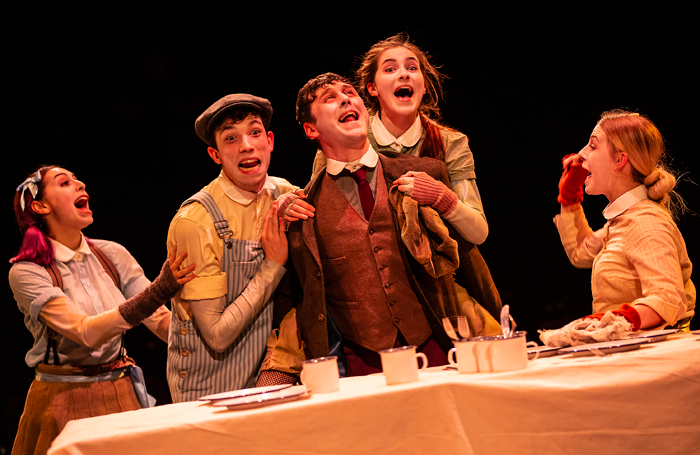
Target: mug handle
[
  {"x": 425, "y": 360},
  {"x": 534, "y": 345},
  {"x": 301, "y": 377},
  {"x": 451, "y": 355}
]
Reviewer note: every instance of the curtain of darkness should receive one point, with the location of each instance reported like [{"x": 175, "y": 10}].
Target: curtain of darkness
[{"x": 118, "y": 110}]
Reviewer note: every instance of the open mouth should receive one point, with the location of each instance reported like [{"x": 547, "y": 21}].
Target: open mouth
[
  {"x": 249, "y": 165},
  {"x": 82, "y": 203},
  {"x": 404, "y": 93},
  {"x": 348, "y": 117}
]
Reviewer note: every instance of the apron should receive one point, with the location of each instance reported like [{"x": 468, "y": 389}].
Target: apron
[{"x": 195, "y": 370}]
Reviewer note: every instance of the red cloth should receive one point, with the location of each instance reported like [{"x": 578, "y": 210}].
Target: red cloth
[
  {"x": 571, "y": 182},
  {"x": 626, "y": 311}
]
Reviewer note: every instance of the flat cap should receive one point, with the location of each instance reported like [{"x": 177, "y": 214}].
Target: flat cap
[{"x": 203, "y": 124}]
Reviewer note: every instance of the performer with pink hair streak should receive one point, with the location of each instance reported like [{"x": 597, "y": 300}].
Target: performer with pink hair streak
[{"x": 78, "y": 297}]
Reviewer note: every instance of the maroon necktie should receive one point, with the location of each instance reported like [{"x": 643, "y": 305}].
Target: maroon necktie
[{"x": 366, "y": 198}]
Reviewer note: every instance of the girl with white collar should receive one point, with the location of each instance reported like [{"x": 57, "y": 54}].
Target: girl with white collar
[
  {"x": 641, "y": 268},
  {"x": 78, "y": 297}
]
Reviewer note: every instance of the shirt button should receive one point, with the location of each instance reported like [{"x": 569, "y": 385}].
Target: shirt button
[
  {"x": 392, "y": 303},
  {"x": 321, "y": 317},
  {"x": 396, "y": 320},
  {"x": 376, "y": 248},
  {"x": 183, "y": 331},
  {"x": 183, "y": 374},
  {"x": 387, "y": 285},
  {"x": 371, "y": 231},
  {"x": 185, "y": 352},
  {"x": 318, "y": 274}
]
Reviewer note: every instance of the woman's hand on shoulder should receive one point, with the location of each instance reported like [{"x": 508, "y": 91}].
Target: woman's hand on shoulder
[
  {"x": 186, "y": 274},
  {"x": 293, "y": 206}
]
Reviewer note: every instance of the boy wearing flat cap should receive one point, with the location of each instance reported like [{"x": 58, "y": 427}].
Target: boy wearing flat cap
[{"x": 234, "y": 236}]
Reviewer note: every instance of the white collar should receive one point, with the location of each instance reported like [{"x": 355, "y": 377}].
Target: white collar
[
  {"x": 625, "y": 201},
  {"x": 65, "y": 254},
  {"x": 238, "y": 194},
  {"x": 369, "y": 159},
  {"x": 407, "y": 139}
]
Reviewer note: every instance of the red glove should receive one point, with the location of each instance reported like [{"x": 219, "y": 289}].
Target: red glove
[
  {"x": 626, "y": 311},
  {"x": 571, "y": 183}
]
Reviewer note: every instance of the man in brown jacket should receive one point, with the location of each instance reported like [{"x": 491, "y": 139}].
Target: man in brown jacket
[{"x": 354, "y": 286}]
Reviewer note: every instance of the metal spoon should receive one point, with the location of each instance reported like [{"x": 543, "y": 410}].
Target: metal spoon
[
  {"x": 505, "y": 321},
  {"x": 513, "y": 325}
]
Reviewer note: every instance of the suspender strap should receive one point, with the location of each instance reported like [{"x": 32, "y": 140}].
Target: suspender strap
[
  {"x": 55, "y": 275},
  {"x": 106, "y": 264},
  {"x": 51, "y": 345},
  {"x": 220, "y": 223},
  {"x": 222, "y": 230}
]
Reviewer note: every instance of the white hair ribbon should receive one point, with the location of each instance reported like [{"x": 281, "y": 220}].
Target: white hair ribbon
[{"x": 31, "y": 184}]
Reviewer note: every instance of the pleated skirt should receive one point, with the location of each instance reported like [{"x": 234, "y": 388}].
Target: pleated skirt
[{"x": 51, "y": 405}]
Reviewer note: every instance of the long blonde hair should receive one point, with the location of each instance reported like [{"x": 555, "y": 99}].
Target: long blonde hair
[{"x": 638, "y": 137}]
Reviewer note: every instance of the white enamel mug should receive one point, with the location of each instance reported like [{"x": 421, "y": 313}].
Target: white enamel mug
[
  {"x": 401, "y": 364},
  {"x": 498, "y": 353},
  {"x": 321, "y": 375},
  {"x": 463, "y": 355}
]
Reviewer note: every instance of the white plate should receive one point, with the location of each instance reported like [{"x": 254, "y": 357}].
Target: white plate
[
  {"x": 606, "y": 347},
  {"x": 243, "y": 393},
  {"x": 545, "y": 351},
  {"x": 652, "y": 336},
  {"x": 264, "y": 399}
]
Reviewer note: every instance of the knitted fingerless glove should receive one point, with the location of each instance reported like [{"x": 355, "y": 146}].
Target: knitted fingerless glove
[
  {"x": 285, "y": 202},
  {"x": 626, "y": 311},
  {"x": 428, "y": 191},
  {"x": 571, "y": 182},
  {"x": 145, "y": 303}
]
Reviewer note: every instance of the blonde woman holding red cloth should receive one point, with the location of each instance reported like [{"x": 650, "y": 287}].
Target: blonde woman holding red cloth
[
  {"x": 640, "y": 266},
  {"x": 78, "y": 317}
]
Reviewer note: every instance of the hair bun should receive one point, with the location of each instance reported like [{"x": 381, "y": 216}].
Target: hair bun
[{"x": 659, "y": 182}]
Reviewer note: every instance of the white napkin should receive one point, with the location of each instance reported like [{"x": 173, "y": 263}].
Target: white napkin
[{"x": 581, "y": 331}]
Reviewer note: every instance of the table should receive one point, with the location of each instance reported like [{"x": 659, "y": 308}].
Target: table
[{"x": 643, "y": 401}]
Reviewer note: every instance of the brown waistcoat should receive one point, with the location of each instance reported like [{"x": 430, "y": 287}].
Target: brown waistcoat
[
  {"x": 368, "y": 293},
  {"x": 303, "y": 286}
]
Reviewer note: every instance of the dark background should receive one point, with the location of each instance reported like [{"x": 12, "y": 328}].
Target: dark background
[{"x": 117, "y": 108}]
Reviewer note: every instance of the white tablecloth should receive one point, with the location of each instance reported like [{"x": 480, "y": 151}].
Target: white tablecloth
[{"x": 643, "y": 401}]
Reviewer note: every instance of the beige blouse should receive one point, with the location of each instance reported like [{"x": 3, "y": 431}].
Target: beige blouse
[{"x": 639, "y": 257}]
